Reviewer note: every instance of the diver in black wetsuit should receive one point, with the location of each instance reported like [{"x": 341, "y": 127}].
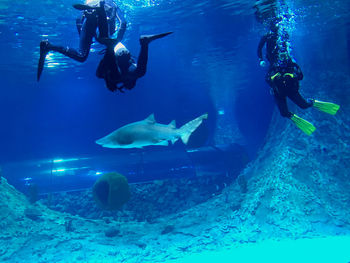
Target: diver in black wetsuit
[
  {"x": 117, "y": 67},
  {"x": 284, "y": 75},
  {"x": 96, "y": 15}
]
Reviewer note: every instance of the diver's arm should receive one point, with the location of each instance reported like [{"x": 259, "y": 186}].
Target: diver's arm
[
  {"x": 260, "y": 47},
  {"x": 298, "y": 72}
]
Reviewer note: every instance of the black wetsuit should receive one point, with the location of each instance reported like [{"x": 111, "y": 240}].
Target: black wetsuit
[
  {"x": 103, "y": 19},
  {"x": 117, "y": 78},
  {"x": 284, "y": 82}
]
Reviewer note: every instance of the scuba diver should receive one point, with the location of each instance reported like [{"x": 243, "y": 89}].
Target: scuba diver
[
  {"x": 118, "y": 68},
  {"x": 96, "y": 14},
  {"x": 284, "y": 75},
  {"x": 283, "y": 78}
]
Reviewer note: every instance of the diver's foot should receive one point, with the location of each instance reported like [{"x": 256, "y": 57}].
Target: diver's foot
[
  {"x": 44, "y": 49},
  {"x": 146, "y": 39}
]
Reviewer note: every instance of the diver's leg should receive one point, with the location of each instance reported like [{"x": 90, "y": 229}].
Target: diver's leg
[
  {"x": 102, "y": 21},
  {"x": 302, "y": 124},
  {"x": 104, "y": 38},
  {"x": 88, "y": 31},
  {"x": 143, "y": 56},
  {"x": 299, "y": 100},
  {"x": 79, "y": 23},
  {"x": 281, "y": 102},
  {"x": 112, "y": 24},
  {"x": 142, "y": 60}
]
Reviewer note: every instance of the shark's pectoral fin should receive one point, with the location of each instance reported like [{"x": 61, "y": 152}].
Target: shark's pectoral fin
[
  {"x": 162, "y": 142},
  {"x": 174, "y": 140}
]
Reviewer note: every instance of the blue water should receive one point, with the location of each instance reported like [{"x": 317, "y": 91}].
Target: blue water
[{"x": 208, "y": 65}]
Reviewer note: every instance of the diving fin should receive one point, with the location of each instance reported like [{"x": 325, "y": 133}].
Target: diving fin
[
  {"x": 43, "y": 52},
  {"x": 146, "y": 39},
  {"x": 328, "y": 107},
  {"x": 303, "y": 125}
]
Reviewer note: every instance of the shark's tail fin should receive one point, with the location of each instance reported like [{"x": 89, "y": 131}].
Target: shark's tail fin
[{"x": 186, "y": 130}]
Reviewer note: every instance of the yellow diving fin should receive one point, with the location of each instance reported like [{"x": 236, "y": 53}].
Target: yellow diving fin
[
  {"x": 303, "y": 125},
  {"x": 328, "y": 107}
]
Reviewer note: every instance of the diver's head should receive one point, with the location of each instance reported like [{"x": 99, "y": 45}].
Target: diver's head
[
  {"x": 285, "y": 56},
  {"x": 123, "y": 58}
]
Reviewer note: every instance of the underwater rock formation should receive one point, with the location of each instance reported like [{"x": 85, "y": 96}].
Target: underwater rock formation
[
  {"x": 298, "y": 184},
  {"x": 148, "y": 202}
]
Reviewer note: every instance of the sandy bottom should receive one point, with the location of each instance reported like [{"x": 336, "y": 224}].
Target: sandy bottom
[{"x": 316, "y": 250}]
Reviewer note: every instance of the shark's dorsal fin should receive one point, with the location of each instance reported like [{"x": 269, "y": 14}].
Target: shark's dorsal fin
[
  {"x": 172, "y": 124},
  {"x": 150, "y": 119}
]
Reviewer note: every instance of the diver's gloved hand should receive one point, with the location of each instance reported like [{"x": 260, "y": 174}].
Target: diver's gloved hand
[
  {"x": 277, "y": 75},
  {"x": 262, "y": 63},
  {"x": 289, "y": 75}
]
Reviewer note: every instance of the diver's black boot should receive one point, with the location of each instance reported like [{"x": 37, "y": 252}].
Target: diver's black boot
[
  {"x": 146, "y": 39},
  {"x": 44, "y": 49}
]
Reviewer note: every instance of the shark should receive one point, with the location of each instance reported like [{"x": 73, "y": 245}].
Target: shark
[{"x": 148, "y": 132}]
